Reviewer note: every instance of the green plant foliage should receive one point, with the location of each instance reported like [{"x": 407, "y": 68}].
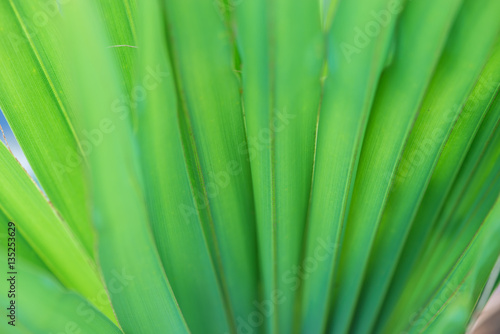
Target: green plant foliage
[{"x": 236, "y": 166}]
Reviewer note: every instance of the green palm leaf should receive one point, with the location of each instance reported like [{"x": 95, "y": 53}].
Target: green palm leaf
[
  {"x": 115, "y": 181},
  {"x": 281, "y": 127},
  {"x": 46, "y": 233},
  {"x": 34, "y": 98},
  {"x": 46, "y": 305},
  {"x": 248, "y": 167},
  {"x": 182, "y": 234},
  {"x": 348, "y": 95}
]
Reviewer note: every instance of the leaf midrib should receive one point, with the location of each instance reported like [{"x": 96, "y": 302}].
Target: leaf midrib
[{"x": 49, "y": 80}]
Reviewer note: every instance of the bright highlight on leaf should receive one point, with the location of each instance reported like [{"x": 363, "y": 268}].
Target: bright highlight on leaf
[{"x": 249, "y": 166}]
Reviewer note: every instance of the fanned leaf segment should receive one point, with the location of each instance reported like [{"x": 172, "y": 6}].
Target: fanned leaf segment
[
  {"x": 281, "y": 82},
  {"x": 237, "y": 166}
]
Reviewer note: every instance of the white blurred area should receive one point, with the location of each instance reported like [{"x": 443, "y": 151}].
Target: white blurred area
[{"x": 14, "y": 145}]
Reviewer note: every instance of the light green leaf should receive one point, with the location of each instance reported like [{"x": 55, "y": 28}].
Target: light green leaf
[
  {"x": 477, "y": 167},
  {"x": 380, "y": 272},
  {"x": 125, "y": 243},
  {"x": 354, "y": 67},
  {"x": 181, "y": 234},
  {"x": 42, "y": 304},
  {"x": 213, "y": 132},
  {"x": 34, "y": 99},
  {"x": 391, "y": 120},
  {"x": 453, "y": 302},
  {"x": 50, "y": 237},
  {"x": 477, "y": 108},
  {"x": 464, "y": 56},
  {"x": 282, "y": 61},
  {"x": 119, "y": 19}
]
